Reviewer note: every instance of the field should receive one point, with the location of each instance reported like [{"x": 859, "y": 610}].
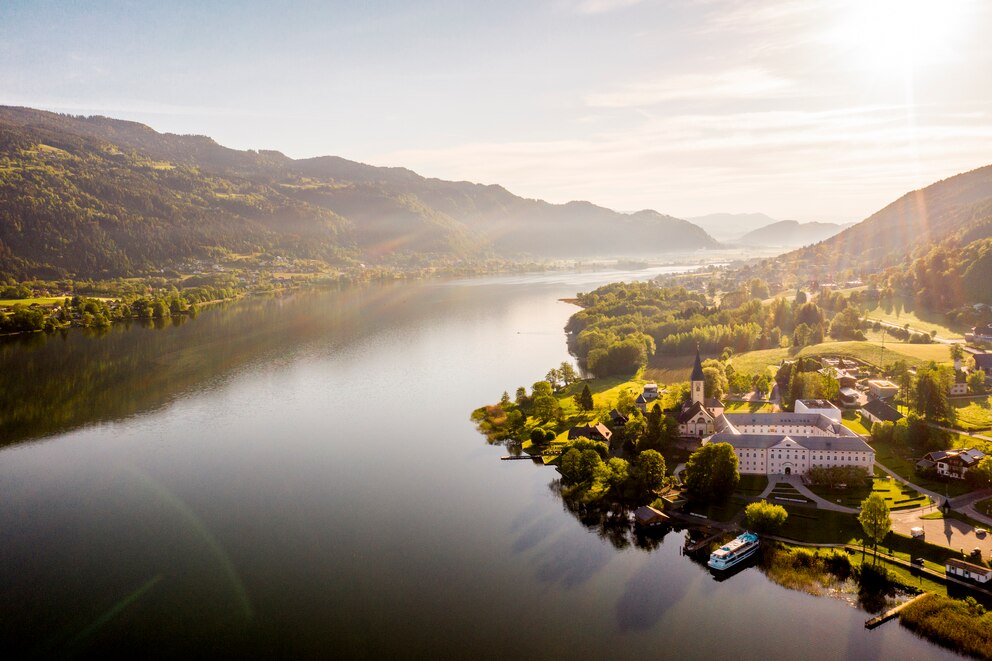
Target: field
[
  {"x": 663, "y": 368},
  {"x": 896, "y": 496},
  {"x": 854, "y": 422},
  {"x": 757, "y": 362},
  {"x": 748, "y": 407},
  {"x": 904, "y": 466},
  {"x": 974, "y": 414},
  {"x": 927, "y": 324},
  {"x": 42, "y": 300},
  {"x": 873, "y": 353}
]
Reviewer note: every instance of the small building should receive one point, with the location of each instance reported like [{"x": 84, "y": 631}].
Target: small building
[
  {"x": 650, "y": 391},
  {"x": 875, "y": 410},
  {"x": 818, "y": 406},
  {"x": 597, "y": 432},
  {"x": 980, "y": 334},
  {"x": 951, "y": 463},
  {"x": 983, "y": 361},
  {"x": 967, "y": 571},
  {"x": 882, "y": 389},
  {"x": 618, "y": 418},
  {"x": 648, "y": 517},
  {"x": 958, "y": 389},
  {"x": 849, "y": 397}
]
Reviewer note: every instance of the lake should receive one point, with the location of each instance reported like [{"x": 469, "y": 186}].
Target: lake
[{"x": 298, "y": 475}]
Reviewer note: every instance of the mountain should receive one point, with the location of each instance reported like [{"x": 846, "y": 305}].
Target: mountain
[
  {"x": 954, "y": 212},
  {"x": 94, "y": 196},
  {"x": 727, "y": 226},
  {"x": 791, "y": 234}
]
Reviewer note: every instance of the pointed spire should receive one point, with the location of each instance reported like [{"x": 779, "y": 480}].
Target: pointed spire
[{"x": 697, "y": 369}]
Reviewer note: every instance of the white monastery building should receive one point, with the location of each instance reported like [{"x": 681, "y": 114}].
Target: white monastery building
[{"x": 790, "y": 443}]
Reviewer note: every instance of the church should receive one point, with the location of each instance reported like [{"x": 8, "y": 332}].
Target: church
[{"x": 698, "y": 417}]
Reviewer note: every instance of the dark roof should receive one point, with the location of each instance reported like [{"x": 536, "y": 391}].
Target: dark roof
[
  {"x": 697, "y": 369},
  {"x": 882, "y": 411},
  {"x": 967, "y": 566},
  {"x": 817, "y": 404},
  {"x": 691, "y": 412},
  {"x": 983, "y": 360},
  {"x": 714, "y": 403},
  {"x": 646, "y": 515},
  {"x": 593, "y": 432},
  {"x": 617, "y": 416}
]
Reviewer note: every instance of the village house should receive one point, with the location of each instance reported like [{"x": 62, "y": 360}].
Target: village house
[
  {"x": 882, "y": 389},
  {"x": 597, "y": 432},
  {"x": 790, "y": 443},
  {"x": 980, "y": 334},
  {"x": 951, "y": 463},
  {"x": 875, "y": 410},
  {"x": 958, "y": 389},
  {"x": 968, "y": 571}
]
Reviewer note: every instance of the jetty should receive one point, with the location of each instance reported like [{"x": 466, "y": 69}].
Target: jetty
[{"x": 891, "y": 613}]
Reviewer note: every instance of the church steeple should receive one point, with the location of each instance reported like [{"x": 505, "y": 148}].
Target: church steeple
[{"x": 696, "y": 380}]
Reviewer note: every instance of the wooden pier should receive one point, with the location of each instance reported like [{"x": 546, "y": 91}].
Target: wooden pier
[
  {"x": 891, "y": 613},
  {"x": 695, "y": 546}
]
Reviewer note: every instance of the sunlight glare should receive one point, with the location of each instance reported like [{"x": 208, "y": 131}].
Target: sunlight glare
[{"x": 893, "y": 35}]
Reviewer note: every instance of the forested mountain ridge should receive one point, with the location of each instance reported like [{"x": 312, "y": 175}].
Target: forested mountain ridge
[
  {"x": 954, "y": 209},
  {"x": 93, "y": 196}
]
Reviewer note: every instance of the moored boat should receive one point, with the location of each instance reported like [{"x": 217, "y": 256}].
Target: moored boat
[{"x": 734, "y": 552}]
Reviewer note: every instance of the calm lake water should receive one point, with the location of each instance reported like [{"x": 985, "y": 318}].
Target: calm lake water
[{"x": 298, "y": 475}]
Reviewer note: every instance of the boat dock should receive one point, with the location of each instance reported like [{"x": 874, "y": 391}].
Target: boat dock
[{"x": 891, "y": 613}]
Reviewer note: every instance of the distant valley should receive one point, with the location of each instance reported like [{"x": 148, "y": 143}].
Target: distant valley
[{"x": 98, "y": 197}]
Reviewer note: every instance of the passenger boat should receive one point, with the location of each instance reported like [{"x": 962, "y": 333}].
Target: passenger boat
[{"x": 734, "y": 552}]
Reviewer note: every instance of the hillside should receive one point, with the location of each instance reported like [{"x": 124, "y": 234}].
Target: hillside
[
  {"x": 727, "y": 226},
  {"x": 790, "y": 234},
  {"x": 93, "y": 196},
  {"x": 956, "y": 209}
]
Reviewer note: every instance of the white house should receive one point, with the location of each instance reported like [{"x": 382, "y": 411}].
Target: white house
[
  {"x": 882, "y": 389},
  {"x": 790, "y": 443},
  {"x": 818, "y": 406},
  {"x": 966, "y": 570},
  {"x": 958, "y": 389}
]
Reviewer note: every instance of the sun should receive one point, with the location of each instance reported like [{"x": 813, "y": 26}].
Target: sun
[{"x": 893, "y": 35}]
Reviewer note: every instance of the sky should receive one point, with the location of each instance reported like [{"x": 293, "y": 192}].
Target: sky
[{"x": 802, "y": 109}]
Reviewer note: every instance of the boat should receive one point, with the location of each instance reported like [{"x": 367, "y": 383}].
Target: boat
[{"x": 734, "y": 552}]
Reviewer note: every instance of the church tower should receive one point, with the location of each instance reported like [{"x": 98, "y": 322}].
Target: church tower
[{"x": 696, "y": 381}]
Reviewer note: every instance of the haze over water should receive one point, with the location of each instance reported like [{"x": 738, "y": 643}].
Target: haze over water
[{"x": 299, "y": 475}]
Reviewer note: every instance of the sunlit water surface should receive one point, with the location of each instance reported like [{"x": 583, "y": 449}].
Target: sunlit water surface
[{"x": 298, "y": 475}]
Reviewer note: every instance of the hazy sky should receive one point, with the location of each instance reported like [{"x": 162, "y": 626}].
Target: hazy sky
[{"x": 806, "y": 109}]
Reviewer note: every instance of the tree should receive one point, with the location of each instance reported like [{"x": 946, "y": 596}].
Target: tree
[
  {"x": 764, "y": 517},
  {"x": 874, "y": 518},
  {"x": 584, "y": 399},
  {"x": 649, "y": 470},
  {"x": 711, "y": 472},
  {"x": 714, "y": 378},
  {"x": 626, "y": 403},
  {"x": 553, "y": 377},
  {"x": 652, "y": 433},
  {"x": 636, "y": 425},
  {"x": 930, "y": 396},
  {"x": 567, "y": 373},
  {"x": 976, "y": 382},
  {"x": 980, "y": 476},
  {"x": 546, "y": 408}
]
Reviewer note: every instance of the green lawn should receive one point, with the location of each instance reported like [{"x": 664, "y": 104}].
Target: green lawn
[
  {"x": 41, "y": 300},
  {"x": 896, "y": 495},
  {"x": 748, "y": 407},
  {"x": 926, "y": 324},
  {"x": 984, "y": 506},
  {"x": 904, "y": 466},
  {"x": 974, "y": 414},
  {"x": 752, "y": 485},
  {"x": 757, "y": 362},
  {"x": 854, "y": 422},
  {"x": 873, "y": 353}
]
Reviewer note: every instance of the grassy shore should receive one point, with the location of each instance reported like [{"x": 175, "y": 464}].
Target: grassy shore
[{"x": 957, "y": 625}]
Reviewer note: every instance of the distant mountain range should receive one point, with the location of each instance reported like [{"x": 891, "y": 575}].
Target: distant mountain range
[
  {"x": 791, "y": 234},
  {"x": 729, "y": 226},
  {"x": 94, "y": 197}
]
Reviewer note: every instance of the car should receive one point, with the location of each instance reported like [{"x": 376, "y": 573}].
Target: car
[
  {"x": 981, "y": 532},
  {"x": 917, "y": 532},
  {"x": 918, "y": 562}
]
